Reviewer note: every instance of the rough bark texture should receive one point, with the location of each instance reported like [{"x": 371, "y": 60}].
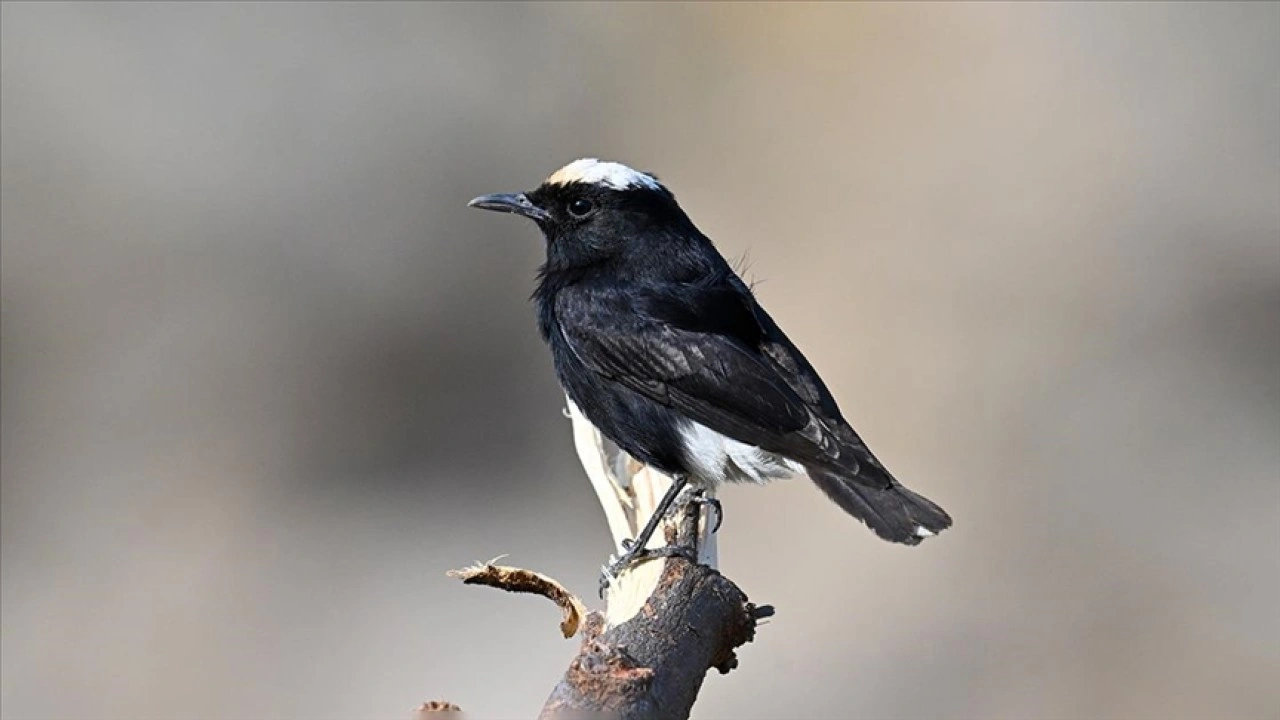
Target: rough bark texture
[{"x": 652, "y": 666}]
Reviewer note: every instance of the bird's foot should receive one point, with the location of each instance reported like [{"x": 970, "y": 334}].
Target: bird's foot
[
  {"x": 713, "y": 503},
  {"x": 634, "y": 555}
]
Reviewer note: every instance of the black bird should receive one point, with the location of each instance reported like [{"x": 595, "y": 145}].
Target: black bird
[{"x": 665, "y": 350}]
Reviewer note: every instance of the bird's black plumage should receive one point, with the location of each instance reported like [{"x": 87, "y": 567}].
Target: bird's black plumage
[{"x": 656, "y": 339}]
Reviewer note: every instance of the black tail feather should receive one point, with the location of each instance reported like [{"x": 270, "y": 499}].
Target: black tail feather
[{"x": 894, "y": 513}]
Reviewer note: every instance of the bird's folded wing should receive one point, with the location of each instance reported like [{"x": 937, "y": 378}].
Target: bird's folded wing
[{"x": 698, "y": 361}]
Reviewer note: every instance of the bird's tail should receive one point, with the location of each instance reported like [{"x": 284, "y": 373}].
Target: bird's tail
[{"x": 895, "y": 513}]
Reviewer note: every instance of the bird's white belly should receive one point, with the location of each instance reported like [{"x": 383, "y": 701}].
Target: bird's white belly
[{"x": 716, "y": 458}]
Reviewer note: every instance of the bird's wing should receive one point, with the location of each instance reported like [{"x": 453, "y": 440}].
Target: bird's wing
[{"x": 695, "y": 349}]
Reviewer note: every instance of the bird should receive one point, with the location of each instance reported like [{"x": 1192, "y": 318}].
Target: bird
[{"x": 666, "y": 350}]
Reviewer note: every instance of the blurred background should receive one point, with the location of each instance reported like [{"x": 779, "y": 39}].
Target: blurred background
[{"x": 266, "y": 378}]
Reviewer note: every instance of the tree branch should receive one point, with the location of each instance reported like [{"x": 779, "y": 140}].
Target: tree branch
[
  {"x": 668, "y": 620},
  {"x": 653, "y": 665}
]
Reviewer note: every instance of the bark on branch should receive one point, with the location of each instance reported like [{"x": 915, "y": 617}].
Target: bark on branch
[{"x": 652, "y": 666}]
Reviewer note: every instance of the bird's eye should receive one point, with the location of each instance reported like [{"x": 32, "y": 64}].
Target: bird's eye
[{"x": 581, "y": 207}]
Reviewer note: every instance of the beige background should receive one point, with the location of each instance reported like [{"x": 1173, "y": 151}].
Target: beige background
[{"x": 266, "y": 378}]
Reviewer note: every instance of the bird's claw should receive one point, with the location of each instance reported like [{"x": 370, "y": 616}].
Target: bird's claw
[
  {"x": 635, "y": 555},
  {"x": 669, "y": 551},
  {"x": 712, "y": 503}
]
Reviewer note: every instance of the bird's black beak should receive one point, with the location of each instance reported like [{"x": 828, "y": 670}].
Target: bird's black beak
[{"x": 516, "y": 203}]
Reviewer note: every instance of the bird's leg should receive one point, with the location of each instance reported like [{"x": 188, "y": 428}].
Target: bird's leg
[
  {"x": 635, "y": 549},
  {"x": 703, "y": 499},
  {"x": 650, "y": 527}
]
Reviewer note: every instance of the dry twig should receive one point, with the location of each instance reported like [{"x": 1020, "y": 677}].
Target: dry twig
[{"x": 519, "y": 580}]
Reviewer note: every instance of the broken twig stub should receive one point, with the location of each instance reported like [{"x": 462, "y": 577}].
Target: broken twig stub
[
  {"x": 519, "y": 580},
  {"x": 432, "y": 707}
]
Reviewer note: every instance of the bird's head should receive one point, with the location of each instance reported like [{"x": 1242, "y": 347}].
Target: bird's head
[{"x": 592, "y": 211}]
